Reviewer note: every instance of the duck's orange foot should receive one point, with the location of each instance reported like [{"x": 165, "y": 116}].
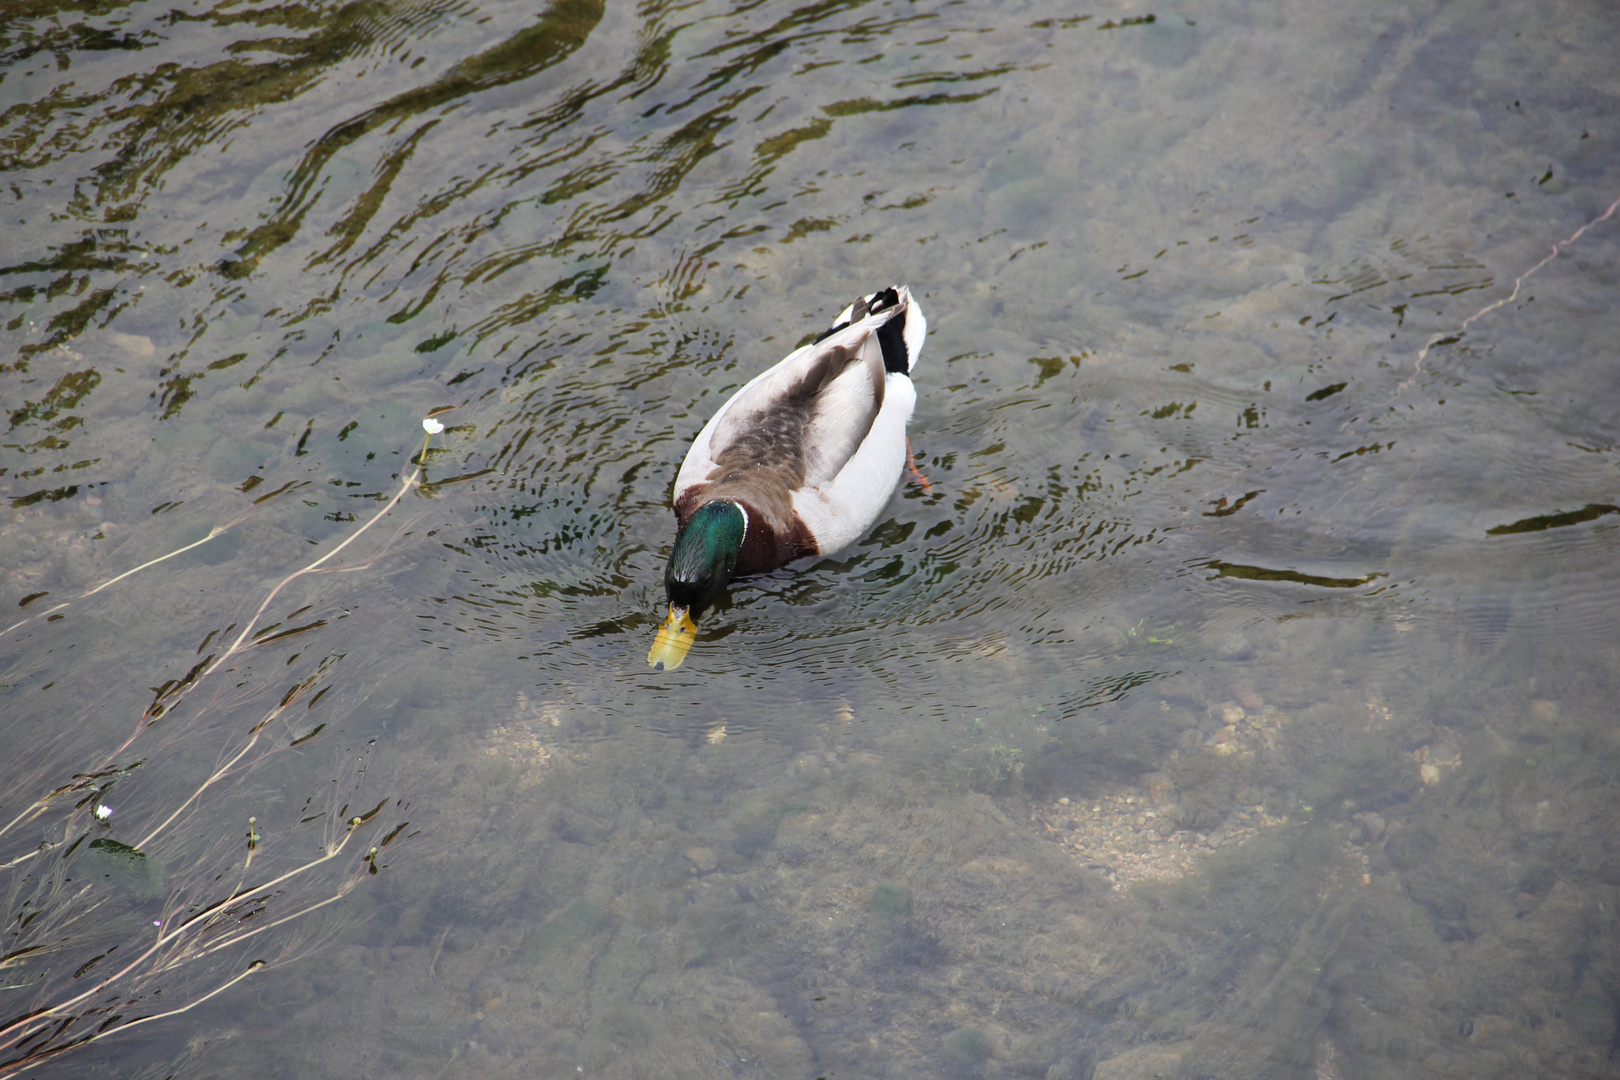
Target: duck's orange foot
[{"x": 911, "y": 467}]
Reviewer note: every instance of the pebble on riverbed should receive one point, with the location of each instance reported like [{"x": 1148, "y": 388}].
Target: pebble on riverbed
[
  {"x": 520, "y": 740},
  {"x": 1123, "y": 835},
  {"x": 1134, "y": 833},
  {"x": 1439, "y": 756}
]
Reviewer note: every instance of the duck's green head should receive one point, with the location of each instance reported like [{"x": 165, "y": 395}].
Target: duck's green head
[
  {"x": 700, "y": 567},
  {"x": 705, "y": 554}
]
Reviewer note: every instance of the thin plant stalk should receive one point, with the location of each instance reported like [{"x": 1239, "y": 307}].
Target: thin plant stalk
[
  {"x": 237, "y": 645},
  {"x": 169, "y": 939},
  {"x": 182, "y": 939},
  {"x": 221, "y": 772},
  {"x": 215, "y": 531},
  {"x": 40, "y": 805}
]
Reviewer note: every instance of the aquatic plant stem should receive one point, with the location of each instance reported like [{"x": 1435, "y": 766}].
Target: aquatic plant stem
[
  {"x": 219, "y": 773},
  {"x": 215, "y": 531},
  {"x": 237, "y": 646},
  {"x": 1451, "y": 336},
  {"x": 189, "y": 957},
  {"x": 22, "y": 1065},
  {"x": 1518, "y": 283},
  {"x": 192, "y": 928},
  {"x": 25, "y": 1027}
]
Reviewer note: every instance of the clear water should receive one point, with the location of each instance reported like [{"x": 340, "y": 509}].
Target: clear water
[{"x": 1234, "y": 700}]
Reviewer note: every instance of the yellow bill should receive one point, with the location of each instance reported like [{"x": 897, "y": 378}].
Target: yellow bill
[{"x": 674, "y": 638}]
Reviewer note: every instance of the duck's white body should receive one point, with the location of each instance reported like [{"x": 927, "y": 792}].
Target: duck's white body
[{"x": 813, "y": 448}]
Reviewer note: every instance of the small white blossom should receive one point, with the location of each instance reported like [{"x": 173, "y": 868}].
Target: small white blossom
[
  {"x": 103, "y": 812},
  {"x": 432, "y": 426}
]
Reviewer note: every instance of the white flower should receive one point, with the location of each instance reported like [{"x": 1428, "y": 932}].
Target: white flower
[
  {"x": 432, "y": 426},
  {"x": 103, "y": 812}
]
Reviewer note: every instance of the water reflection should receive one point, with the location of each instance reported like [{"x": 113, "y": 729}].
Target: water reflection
[{"x": 1230, "y": 701}]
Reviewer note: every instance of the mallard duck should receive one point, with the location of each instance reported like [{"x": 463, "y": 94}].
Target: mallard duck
[{"x": 801, "y": 460}]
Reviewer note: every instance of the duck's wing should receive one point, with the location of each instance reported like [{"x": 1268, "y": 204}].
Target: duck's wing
[
  {"x": 810, "y": 415},
  {"x": 800, "y": 423}
]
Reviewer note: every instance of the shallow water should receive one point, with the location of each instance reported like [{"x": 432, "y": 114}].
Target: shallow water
[{"x": 1234, "y": 698}]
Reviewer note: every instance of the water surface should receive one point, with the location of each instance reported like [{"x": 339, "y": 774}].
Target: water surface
[{"x": 1233, "y": 699}]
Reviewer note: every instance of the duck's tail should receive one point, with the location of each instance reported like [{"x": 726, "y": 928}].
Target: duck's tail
[{"x": 898, "y": 321}]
